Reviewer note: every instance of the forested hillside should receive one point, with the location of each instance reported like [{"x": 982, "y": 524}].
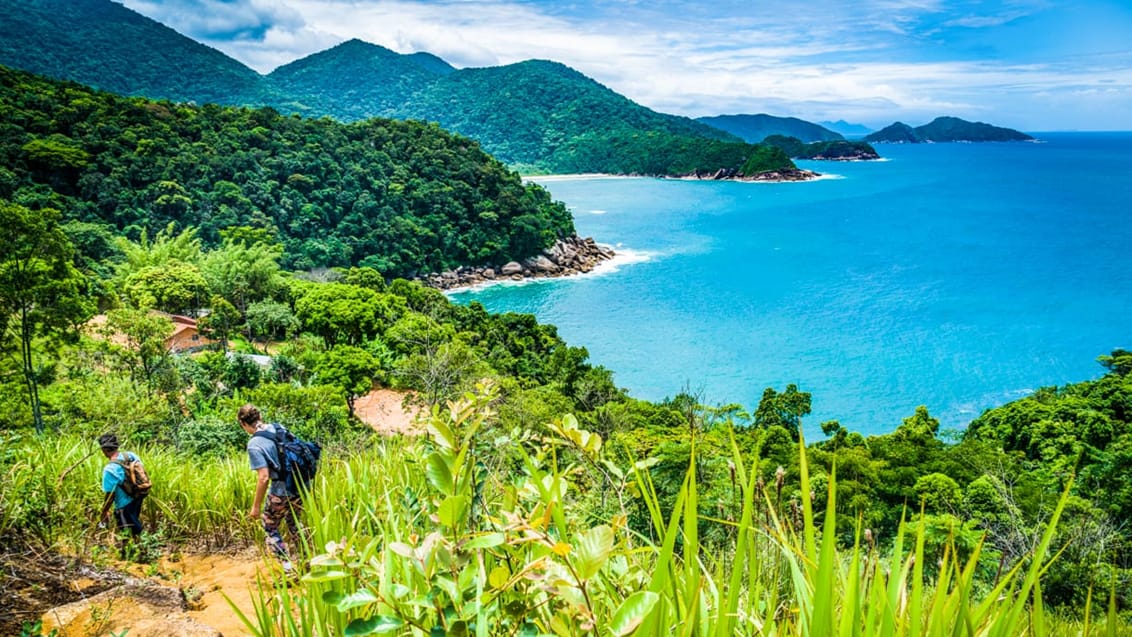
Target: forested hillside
[
  {"x": 105, "y": 45},
  {"x": 402, "y": 197},
  {"x": 834, "y": 150},
  {"x": 356, "y": 80},
  {"x": 538, "y": 116}
]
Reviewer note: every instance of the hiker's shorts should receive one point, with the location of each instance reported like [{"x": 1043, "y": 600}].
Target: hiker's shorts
[{"x": 276, "y": 511}]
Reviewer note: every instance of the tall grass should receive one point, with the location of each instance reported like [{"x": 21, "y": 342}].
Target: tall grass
[
  {"x": 50, "y": 493},
  {"x": 417, "y": 538}
]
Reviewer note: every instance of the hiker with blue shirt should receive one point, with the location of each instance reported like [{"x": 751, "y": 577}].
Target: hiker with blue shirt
[
  {"x": 127, "y": 508},
  {"x": 272, "y": 504}
]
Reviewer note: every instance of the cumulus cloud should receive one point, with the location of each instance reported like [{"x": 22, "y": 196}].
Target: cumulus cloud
[{"x": 874, "y": 60}]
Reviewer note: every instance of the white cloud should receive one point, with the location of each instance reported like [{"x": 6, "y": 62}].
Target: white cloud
[{"x": 818, "y": 60}]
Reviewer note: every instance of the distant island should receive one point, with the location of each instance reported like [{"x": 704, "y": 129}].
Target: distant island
[{"x": 946, "y": 129}]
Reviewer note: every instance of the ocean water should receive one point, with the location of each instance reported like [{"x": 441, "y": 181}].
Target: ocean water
[{"x": 955, "y": 276}]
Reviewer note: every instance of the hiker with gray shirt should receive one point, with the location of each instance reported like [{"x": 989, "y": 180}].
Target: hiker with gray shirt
[{"x": 272, "y": 504}]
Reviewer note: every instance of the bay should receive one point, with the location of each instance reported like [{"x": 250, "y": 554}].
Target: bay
[{"x": 955, "y": 276}]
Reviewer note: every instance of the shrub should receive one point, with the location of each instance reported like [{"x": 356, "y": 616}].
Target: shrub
[{"x": 210, "y": 436}]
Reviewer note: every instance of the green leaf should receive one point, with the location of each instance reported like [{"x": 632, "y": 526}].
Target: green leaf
[
  {"x": 632, "y": 612},
  {"x": 593, "y": 549},
  {"x": 485, "y": 541},
  {"x": 326, "y": 560},
  {"x": 439, "y": 474},
  {"x": 361, "y": 597},
  {"x": 372, "y": 626},
  {"x": 325, "y": 576},
  {"x": 441, "y": 432},
  {"x": 499, "y": 576},
  {"x": 451, "y": 510},
  {"x": 399, "y": 591}
]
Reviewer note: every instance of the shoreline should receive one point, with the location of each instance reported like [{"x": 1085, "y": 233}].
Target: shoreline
[
  {"x": 569, "y": 256},
  {"x": 623, "y": 257},
  {"x": 723, "y": 174},
  {"x": 769, "y": 177}
]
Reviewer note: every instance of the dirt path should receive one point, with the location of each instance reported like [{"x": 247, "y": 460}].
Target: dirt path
[
  {"x": 185, "y": 595},
  {"x": 217, "y": 576},
  {"x": 383, "y": 409}
]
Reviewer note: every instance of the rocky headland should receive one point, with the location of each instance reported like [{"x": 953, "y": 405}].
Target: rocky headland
[
  {"x": 731, "y": 174},
  {"x": 572, "y": 255}
]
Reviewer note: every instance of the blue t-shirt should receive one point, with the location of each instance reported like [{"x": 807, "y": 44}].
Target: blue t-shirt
[
  {"x": 113, "y": 475},
  {"x": 262, "y": 453}
]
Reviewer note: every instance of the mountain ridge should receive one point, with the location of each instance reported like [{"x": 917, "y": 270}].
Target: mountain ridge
[
  {"x": 756, "y": 128},
  {"x": 946, "y": 129},
  {"x": 537, "y": 115}
]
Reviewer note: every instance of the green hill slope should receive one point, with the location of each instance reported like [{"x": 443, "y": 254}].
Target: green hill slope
[
  {"x": 756, "y": 128},
  {"x": 403, "y": 197},
  {"x": 539, "y": 114},
  {"x": 356, "y": 80},
  {"x": 105, "y": 45}
]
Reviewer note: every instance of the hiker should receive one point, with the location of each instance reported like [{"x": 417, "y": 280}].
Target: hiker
[
  {"x": 272, "y": 503},
  {"x": 127, "y": 508}
]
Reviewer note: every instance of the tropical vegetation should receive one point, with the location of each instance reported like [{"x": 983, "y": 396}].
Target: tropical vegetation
[
  {"x": 402, "y": 197},
  {"x": 543, "y": 498}
]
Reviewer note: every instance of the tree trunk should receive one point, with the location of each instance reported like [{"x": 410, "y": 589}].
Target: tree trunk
[{"x": 29, "y": 371}]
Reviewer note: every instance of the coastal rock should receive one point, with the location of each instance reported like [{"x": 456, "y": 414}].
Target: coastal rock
[
  {"x": 543, "y": 264},
  {"x": 569, "y": 255},
  {"x": 731, "y": 174}
]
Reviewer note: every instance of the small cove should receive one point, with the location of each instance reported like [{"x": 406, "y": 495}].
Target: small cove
[{"x": 957, "y": 276}]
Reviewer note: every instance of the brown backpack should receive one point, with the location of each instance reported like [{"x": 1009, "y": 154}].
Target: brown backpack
[{"x": 137, "y": 482}]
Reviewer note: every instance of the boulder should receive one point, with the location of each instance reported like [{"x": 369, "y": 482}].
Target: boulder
[
  {"x": 512, "y": 268},
  {"x": 543, "y": 264}
]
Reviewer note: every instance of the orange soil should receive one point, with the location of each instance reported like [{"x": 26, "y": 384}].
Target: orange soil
[
  {"x": 205, "y": 580},
  {"x": 384, "y": 410}
]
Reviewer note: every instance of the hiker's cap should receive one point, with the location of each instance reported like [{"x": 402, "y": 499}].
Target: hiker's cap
[{"x": 108, "y": 442}]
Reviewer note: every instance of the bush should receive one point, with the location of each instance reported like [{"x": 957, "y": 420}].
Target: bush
[{"x": 210, "y": 436}]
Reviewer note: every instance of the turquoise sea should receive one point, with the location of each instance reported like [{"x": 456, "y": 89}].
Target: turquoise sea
[{"x": 956, "y": 276}]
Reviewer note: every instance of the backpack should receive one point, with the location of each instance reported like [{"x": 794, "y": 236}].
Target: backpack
[
  {"x": 299, "y": 459},
  {"x": 137, "y": 482}
]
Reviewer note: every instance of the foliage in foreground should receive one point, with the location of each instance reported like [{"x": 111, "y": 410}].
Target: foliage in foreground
[{"x": 449, "y": 544}]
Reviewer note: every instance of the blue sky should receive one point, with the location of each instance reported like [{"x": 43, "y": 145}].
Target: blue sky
[{"x": 1028, "y": 64}]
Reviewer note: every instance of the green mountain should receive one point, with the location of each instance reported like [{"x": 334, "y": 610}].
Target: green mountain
[
  {"x": 538, "y": 115},
  {"x": 756, "y": 128},
  {"x": 402, "y": 197},
  {"x": 105, "y": 45},
  {"x": 897, "y": 132},
  {"x": 947, "y": 129},
  {"x": 356, "y": 80}
]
